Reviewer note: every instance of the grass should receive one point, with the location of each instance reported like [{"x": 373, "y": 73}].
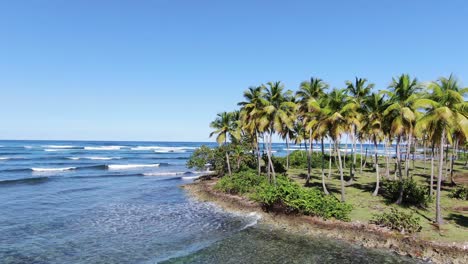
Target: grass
[{"x": 359, "y": 194}]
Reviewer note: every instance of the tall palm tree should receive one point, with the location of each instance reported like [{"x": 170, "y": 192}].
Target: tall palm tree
[
  {"x": 374, "y": 105},
  {"x": 358, "y": 90},
  {"x": 225, "y": 126},
  {"x": 337, "y": 125},
  {"x": 448, "y": 110},
  {"x": 252, "y": 116},
  {"x": 278, "y": 114},
  {"x": 308, "y": 95},
  {"x": 402, "y": 115}
]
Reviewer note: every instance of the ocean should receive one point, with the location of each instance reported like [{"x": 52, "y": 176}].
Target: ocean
[{"x": 121, "y": 202}]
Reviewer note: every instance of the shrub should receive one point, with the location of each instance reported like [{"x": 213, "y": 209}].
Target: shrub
[
  {"x": 239, "y": 182},
  {"x": 397, "y": 220},
  {"x": 291, "y": 197},
  {"x": 461, "y": 192},
  {"x": 413, "y": 194}
]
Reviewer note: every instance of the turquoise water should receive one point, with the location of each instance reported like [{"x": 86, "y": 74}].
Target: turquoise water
[{"x": 120, "y": 202}]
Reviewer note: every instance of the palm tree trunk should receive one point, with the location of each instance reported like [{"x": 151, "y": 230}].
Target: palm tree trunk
[
  {"x": 452, "y": 161},
  {"x": 287, "y": 153},
  {"x": 377, "y": 182},
  {"x": 329, "y": 160},
  {"x": 439, "y": 179},
  {"x": 431, "y": 184},
  {"x": 360, "y": 168},
  {"x": 400, "y": 174},
  {"x": 425, "y": 158},
  {"x": 341, "y": 178},
  {"x": 387, "y": 159},
  {"x": 353, "y": 166},
  {"x": 408, "y": 151},
  {"x": 270, "y": 160},
  {"x": 308, "y": 161},
  {"x": 258, "y": 156},
  {"x": 228, "y": 163},
  {"x": 323, "y": 168}
]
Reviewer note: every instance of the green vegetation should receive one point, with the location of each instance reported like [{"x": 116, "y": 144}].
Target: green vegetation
[
  {"x": 460, "y": 192},
  {"x": 413, "y": 194},
  {"x": 240, "y": 182},
  {"x": 398, "y": 220},
  {"x": 289, "y": 196}
]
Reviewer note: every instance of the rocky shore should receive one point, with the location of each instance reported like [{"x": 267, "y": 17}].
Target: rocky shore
[{"x": 358, "y": 233}]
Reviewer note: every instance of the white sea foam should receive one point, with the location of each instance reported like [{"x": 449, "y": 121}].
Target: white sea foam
[
  {"x": 103, "y": 148},
  {"x": 190, "y": 177},
  {"x": 4, "y": 158},
  {"x": 160, "y": 149},
  {"x": 130, "y": 166},
  {"x": 102, "y": 158},
  {"x": 168, "y": 173},
  {"x": 52, "y": 169},
  {"x": 59, "y": 146},
  {"x": 52, "y": 150},
  {"x": 74, "y": 158}
]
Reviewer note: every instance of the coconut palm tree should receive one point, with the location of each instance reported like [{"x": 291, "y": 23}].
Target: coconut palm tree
[
  {"x": 447, "y": 111},
  {"x": 336, "y": 124},
  {"x": 374, "y": 105},
  {"x": 252, "y": 116},
  {"x": 358, "y": 91},
  {"x": 225, "y": 126},
  {"x": 278, "y": 114},
  {"x": 308, "y": 95},
  {"x": 402, "y": 115}
]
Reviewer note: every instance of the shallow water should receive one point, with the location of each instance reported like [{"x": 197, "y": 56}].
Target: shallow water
[{"x": 108, "y": 202}]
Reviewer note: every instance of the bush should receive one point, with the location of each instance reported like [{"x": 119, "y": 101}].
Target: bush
[
  {"x": 298, "y": 160},
  {"x": 461, "y": 192},
  {"x": 291, "y": 197},
  {"x": 397, "y": 220},
  {"x": 239, "y": 158},
  {"x": 240, "y": 182},
  {"x": 413, "y": 194}
]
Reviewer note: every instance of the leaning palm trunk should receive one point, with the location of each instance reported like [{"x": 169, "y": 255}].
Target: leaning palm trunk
[
  {"x": 400, "y": 175},
  {"x": 353, "y": 166},
  {"x": 439, "y": 179},
  {"x": 323, "y": 168},
  {"x": 228, "y": 163},
  {"x": 425, "y": 158},
  {"x": 377, "y": 182},
  {"x": 308, "y": 161},
  {"x": 341, "y": 177}
]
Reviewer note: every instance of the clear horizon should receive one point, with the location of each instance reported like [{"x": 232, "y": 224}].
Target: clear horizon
[{"x": 162, "y": 70}]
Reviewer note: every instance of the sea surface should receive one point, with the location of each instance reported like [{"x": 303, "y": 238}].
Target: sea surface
[{"x": 120, "y": 202}]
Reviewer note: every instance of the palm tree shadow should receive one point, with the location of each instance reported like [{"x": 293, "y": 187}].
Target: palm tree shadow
[
  {"x": 318, "y": 185},
  {"x": 368, "y": 187},
  {"x": 459, "y": 219}
]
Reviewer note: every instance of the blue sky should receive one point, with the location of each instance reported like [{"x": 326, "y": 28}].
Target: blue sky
[{"x": 161, "y": 70}]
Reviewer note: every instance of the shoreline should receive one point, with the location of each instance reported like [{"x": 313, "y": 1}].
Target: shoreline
[{"x": 358, "y": 233}]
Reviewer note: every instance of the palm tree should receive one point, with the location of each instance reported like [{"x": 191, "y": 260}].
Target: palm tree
[
  {"x": 252, "y": 116},
  {"x": 277, "y": 113},
  {"x": 308, "y": 94},
  {"x": 448, "y": 110},
  {"x": 374, "y": 105},
  {"x": 358, "y": 91},
  {"x": 225, "y": 126},
  {"x": 337, "y": 125},
  {"x": 402, "y": 114}
]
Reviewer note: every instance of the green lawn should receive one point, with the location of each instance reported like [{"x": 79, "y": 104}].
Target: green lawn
[{"x": 359, "y": 194}]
